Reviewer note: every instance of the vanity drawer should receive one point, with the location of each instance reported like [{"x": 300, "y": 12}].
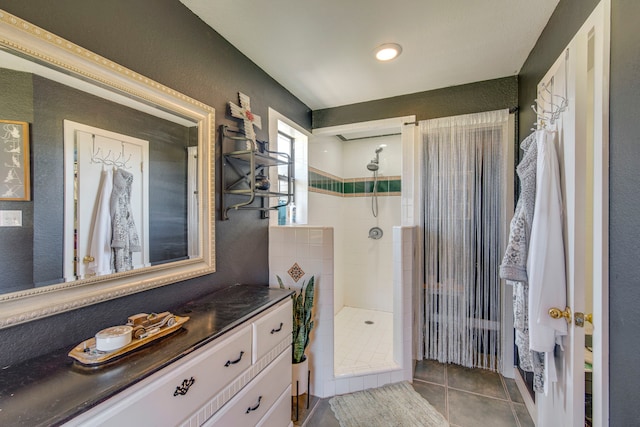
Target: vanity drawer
[
  {"x": 249, "y": 406},
  {"x": 280, "y": 413},
  {"x": 271, "y": 329},
  {"x": 170, "y": 395}
]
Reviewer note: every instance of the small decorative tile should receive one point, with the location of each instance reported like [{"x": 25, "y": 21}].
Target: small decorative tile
[{"x": 296, "y": 272}]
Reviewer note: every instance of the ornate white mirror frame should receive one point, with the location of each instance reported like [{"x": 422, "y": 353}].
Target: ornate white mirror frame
[{"x": 39, "y": 45}]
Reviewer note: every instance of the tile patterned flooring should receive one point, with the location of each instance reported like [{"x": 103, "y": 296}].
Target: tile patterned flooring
[
  {"x": 360, "y": 346},
  {"x": 466, "y": 397}
]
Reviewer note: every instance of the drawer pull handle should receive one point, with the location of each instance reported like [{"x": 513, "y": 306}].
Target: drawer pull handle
[
  {"x": 233, "y": 362},
  {"x": 181, "y": 390},
  {"x": 273, "y": 331},
  {"x": 249, "y": 409}
]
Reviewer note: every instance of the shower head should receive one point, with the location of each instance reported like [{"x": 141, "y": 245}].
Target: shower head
[{"x": 373, "y": 164}]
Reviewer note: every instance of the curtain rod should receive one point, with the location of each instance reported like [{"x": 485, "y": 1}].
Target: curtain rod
[{"x": 512, "y": 110}]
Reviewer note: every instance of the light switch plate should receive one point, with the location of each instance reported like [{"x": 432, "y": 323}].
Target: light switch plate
[{"x": 10, "y": 218}]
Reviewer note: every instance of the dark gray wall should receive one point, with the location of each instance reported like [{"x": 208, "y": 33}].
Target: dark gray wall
[
  {"x": 624, "y": 209},
  {"x": 16, "y": 264},
  {"x": 452, "y": 101},
  {"x": 166, "y": 42}
]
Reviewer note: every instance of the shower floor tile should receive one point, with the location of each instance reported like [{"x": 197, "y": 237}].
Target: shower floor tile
[{"x": 361, "y": 346}]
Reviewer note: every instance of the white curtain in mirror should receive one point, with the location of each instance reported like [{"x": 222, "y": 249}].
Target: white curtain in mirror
[
  {"x": 463, "y": 174},
  {"x": 192, "y": 203}
]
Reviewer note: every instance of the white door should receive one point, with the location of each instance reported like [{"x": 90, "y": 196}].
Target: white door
[
  {"x": 89, "y": 151},
  {"x": 581, "y": 75}
]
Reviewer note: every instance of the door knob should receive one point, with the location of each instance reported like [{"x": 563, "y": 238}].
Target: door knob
[
  {"x": 581, "y": 318},
  {"x": 556, "y": 313}
]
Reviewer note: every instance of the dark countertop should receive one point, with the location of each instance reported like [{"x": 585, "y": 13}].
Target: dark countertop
[{"x": 54, "y": 388}]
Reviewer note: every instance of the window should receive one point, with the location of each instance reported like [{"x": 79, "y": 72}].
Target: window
[
  {"x": 286, "y": 144},
  {"x": 293, "y": 140}
]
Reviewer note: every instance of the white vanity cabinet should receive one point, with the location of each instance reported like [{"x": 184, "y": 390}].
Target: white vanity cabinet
[{"x": 239, "y": 379}]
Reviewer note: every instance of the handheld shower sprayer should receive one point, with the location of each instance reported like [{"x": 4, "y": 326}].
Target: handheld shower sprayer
[{"x": 373, "y": 164}]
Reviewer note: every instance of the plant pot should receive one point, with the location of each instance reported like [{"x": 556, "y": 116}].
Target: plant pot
[{"x": 300, "y": 373}]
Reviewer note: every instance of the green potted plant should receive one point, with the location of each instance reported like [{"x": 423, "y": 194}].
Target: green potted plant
[{"x": 302, "y": 326}]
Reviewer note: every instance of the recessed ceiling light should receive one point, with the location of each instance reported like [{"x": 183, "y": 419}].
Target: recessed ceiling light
[{"x": 388, "y": 51}]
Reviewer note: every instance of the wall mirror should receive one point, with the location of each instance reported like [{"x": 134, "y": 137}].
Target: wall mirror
[{"x": 70, "y": 122}]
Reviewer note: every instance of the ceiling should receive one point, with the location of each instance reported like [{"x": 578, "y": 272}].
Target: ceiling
[{"x": 322, "y": 51}]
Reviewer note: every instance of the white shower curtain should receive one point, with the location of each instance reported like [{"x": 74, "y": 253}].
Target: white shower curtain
[
  {"x": 463, "y": 173},
  {"x": 192, "y": 202}
]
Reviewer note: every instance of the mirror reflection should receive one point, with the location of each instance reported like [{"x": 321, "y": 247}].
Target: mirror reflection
[{"x": 113, "y": 186}]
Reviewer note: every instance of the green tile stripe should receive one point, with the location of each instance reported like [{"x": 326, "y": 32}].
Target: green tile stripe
[{"x": 323, "y": 182}]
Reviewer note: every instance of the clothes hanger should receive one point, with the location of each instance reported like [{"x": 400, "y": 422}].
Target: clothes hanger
[
  {"x": 558, "y": 103},
  {"x": 108, "y": 159},
  {"x": 546, "y": 117}
]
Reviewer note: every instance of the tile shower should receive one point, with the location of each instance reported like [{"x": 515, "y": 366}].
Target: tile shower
[
  {"x": 364, "y": 281},
  {"x": 312, "y": 249}
]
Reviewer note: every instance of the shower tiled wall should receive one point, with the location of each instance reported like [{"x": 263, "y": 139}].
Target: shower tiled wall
[
  {"x": 324, "y": 182},
  {"x": 312, "y": 249}
]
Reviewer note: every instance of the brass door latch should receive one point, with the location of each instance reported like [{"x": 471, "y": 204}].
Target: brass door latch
[{"x": 579, "y": 318}]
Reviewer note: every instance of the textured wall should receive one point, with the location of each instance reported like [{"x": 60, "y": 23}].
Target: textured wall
[
  {"x": 166, "y": 42},
  {"x": 452, "y": 101},
  {"x": 16, "y": 263},
  {"x": 624, "y": 221}
]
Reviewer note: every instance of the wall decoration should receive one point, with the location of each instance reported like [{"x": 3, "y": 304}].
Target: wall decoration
[
  {"x": 244, "y": 112},
  {"x": 296, "y": 272},
  {"x": 14, "y": 161}
]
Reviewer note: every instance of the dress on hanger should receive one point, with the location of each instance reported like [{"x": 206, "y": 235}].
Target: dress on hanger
[{"x": 125, "y": 237}]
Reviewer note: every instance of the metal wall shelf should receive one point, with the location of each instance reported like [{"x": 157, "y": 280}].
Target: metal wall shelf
[{"x": 239, "y": 170}]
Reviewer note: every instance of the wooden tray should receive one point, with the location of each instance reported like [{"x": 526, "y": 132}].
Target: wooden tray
[{"x": 87, "y": 354}]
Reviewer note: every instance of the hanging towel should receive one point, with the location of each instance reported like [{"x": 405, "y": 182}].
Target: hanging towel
[
  {"x": 99, "y": 248},
  {"x": 546, "y": 259}
]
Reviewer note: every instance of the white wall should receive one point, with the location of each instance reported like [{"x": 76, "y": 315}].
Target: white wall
[
  {"x": 367, "y": 274},
  {"x": 327, "y": 211},
  {"x": 358, "y": 153},
  {"x": 363, "y": 267},
  {"x": 325, "y": 153}
]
